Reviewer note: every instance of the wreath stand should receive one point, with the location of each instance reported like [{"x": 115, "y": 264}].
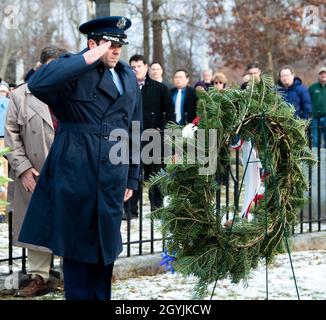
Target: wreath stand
[{"x": 267, "y": 168}]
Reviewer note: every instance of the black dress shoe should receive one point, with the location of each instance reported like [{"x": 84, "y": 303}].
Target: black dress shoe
[
  {"x": 125, "y": 216},
  {"x": 55, "y": 273}
]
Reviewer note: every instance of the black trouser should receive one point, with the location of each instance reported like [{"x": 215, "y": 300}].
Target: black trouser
[
  {"x": 87, "y": 281},
  {"x": 154, "y": 193}
]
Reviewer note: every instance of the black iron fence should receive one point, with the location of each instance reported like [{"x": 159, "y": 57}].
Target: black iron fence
[
  {"x": 312, "y": 216},
  {"x": 142, "y": 235}
]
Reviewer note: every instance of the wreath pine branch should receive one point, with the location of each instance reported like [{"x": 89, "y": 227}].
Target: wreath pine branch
[{"x": 283, "y": 151}]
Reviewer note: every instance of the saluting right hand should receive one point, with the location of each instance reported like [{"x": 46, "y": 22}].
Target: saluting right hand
[{"x": 96, "y": 52}]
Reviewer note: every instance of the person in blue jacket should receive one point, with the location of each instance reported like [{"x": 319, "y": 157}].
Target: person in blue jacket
[
  {"x": 77, "y": 205},
  {"x": 4, "y": 102},
  {"x": 294, "y": 92}
]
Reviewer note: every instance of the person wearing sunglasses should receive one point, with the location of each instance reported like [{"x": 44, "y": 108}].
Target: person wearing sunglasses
[{"x": 219, "y": 80}]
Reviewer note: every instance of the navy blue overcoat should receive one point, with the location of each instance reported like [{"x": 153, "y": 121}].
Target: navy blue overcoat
[{"x": 76, "y": 207}]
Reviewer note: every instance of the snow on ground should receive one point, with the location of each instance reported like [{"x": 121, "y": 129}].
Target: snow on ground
[
  {"x": 310, "y": 272},
  {"x": 309, "y": 267},
  {"x": 4, "y": 243}
]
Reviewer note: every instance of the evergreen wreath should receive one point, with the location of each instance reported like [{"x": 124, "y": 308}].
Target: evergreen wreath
[{"x": 191, "y": 223}]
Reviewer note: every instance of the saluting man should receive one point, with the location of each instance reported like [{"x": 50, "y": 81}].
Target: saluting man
[{"x": 76, "y": 207}]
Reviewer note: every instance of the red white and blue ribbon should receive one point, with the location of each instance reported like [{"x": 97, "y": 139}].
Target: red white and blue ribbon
[
  {"x": 253, "y": 181},
  {"x": 236, "y": 143}
]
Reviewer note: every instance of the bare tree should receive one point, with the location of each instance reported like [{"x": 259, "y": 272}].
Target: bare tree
[
  {"x": 35, "y": 26},
  {"x": 7, "y": 35},
  {"x": 7, "y": 53},
  {"x": 186, "y": 34},
  {"x": 73, "y": 10},
  {"x": 268, "y": 31},
  {"x": 317, "y": 48},
  {"x": 141, "y": 9},
  {"x": 157, "y": 32},
  {"x": 173, "y": 30},
  {"x": 171, "y": 52},
  {"x": 91, "y": 9},
  {"x": 145, "y": 15}
]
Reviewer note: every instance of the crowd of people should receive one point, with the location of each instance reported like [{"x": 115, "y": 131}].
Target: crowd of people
[
  {"x": 309, "y": 102},
  {"x": 30, "y": 119}
]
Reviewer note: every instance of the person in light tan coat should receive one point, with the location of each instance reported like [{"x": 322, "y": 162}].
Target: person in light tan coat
[{"x": 29, "y": 133}]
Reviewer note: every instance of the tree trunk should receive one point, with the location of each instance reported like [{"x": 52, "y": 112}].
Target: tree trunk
[
  {"x": 157, "y": 33},
  {"x": 90, "y": 10},
  {"x": 192, "y": 32},
  {"x": 171, "y": 46},
  {"x": 5, "y": 61},
  {"x": 271, "y": 64},
  {"x": 145, "y": 15}
]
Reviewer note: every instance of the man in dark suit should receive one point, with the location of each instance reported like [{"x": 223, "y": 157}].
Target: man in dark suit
[
  {"x": 157, "y": 111},
  {"x": 76, "y": 207},
  {"x": 184, "y": 98}
]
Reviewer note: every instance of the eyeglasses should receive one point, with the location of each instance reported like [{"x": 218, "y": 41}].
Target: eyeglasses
[{"x": 218, "y": 82}]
